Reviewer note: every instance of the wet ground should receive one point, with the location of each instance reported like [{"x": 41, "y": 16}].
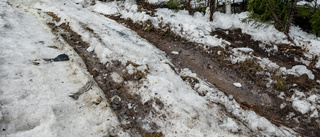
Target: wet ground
[
  {"x": 254, "y": 94},
  {"x": 208, "y": 63}
]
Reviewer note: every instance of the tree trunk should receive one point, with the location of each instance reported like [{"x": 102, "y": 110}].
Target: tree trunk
[
  {"x": 244, "y": 5},
  {"x": 189, "y": 7},
  {"x": 228, "y": 6},
  {"x": 212, "y": 8}
]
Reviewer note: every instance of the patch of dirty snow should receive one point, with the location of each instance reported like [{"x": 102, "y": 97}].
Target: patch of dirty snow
[
  {"x": 299, "y": 70},
  {"x": 301, "y": 106}
]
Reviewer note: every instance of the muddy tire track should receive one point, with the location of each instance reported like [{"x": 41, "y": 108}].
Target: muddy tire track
[
  {"x": 223, "y": 74},
  {"x": 131, "y": 118}
]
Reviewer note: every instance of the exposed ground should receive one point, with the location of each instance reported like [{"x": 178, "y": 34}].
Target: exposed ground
[
  {"x": 117, "y": 80},
  {"x": 212, "y": 67}
]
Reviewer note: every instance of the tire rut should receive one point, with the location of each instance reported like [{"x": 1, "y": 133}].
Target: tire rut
[
  {"x": 132, "y": 119},
  {"x": 222, "y": 75}
]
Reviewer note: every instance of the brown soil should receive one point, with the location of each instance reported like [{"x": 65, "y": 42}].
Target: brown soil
[{"x": 223, "y": 74}]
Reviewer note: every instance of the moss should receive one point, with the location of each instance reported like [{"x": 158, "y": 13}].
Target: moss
[
  {"x": 173, "y": 4},
  {"x": 280, "y": 82},
  {"x": 251, "y": 65},
  {"x": 149, "y": 28},
  {"x": 168, "y": 34}
]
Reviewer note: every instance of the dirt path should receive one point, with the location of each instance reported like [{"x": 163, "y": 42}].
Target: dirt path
[
  {"x": 223, "y": 74},
  {"x": 212, "y": 67}
]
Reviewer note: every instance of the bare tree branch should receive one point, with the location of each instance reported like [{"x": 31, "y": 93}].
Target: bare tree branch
[
  {"x": 278, "y": 21},
  {"x": 212, "y": 8}
]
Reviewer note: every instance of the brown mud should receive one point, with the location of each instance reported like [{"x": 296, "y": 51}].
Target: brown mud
[{"x": 253, "y": 95}]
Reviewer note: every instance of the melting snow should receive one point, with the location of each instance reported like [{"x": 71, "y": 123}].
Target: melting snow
[
  {"x": 299, "y": 70},
  {"x": 34, "y": 100},
  {"x": 301, "y": 106},
  {"x": 237, "y": 85}
]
